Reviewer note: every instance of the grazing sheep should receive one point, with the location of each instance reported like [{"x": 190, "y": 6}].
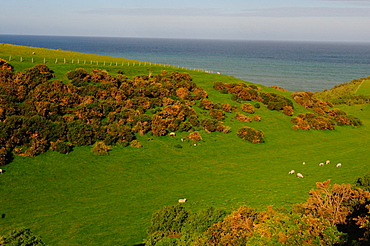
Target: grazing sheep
[
  {"x": 291, "y": 172},
  {"x": 299, "y": 175},
  {"x": 339, "y": 165},
  {"x": 321, "y": 164},
  {"x": 1, "y": 170},
  {"x": 327, "y": 162},
  {"x": 182, "y": 200},
  {"x": 304, "y": 163},
  {"x": 172, "y": 134}
]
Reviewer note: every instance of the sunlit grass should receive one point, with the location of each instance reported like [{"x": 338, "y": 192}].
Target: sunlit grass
[{"x": 82, "y": 199}]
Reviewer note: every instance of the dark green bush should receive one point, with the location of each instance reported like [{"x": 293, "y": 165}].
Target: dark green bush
[{"x": 250, "y": 134}]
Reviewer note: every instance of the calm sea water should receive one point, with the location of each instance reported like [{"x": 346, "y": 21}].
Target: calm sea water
[{"x": 296, "y": 66}]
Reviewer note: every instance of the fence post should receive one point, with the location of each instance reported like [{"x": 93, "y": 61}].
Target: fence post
[
  {"x": 44, "y": 60},
  {"x": 10, "y": 58},
  {"x": 64, "y": 60},
  {"x": 32, "y": 59},
  {"x": 21, "y": 59},
  {"x": 56, "y": 61}
]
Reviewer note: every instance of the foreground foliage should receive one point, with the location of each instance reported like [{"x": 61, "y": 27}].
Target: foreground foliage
[{"x": 333, "y": 215}]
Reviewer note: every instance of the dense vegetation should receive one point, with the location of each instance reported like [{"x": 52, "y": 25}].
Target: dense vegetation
[
  {"x": 333, "y": 215},
  {"x": 103, "y": 193}
]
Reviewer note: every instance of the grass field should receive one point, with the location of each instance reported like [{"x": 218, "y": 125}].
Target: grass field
[
  {"x": 82, "y": 199},
  {"x": 364, "y": 88}
]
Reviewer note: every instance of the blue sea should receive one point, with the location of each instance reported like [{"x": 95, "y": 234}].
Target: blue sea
[{"x": 295, "y": 66}]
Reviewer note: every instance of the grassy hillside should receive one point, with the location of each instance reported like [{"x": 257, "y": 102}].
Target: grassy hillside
[{"x": 83, "y": 199}]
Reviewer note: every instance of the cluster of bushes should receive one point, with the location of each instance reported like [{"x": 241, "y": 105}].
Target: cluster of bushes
[
  {"x": 324, "y": 117},
  {"x": 244, "y": 92},
  {"x": 333, "y": 215},
  {"x": 38, "y": 113}
]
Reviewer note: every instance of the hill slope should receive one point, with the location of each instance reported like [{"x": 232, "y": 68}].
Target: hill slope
[{"x": 84, "y": 199}]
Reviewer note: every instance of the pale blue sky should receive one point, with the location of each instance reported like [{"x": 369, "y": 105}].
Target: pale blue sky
[{"x": 306, "y": 20}]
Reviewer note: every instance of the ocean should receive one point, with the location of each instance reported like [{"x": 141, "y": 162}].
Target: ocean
[{"x": 295, "y": 66}]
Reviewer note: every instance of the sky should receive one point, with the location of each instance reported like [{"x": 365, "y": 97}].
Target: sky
[{"x": 294, "y": 20}]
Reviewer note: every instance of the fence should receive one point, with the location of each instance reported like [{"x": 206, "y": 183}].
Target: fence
[{"x": 101, "y": 63}]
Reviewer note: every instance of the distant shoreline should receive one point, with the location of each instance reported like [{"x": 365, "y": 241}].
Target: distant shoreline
[{"x": 293, "y": 65}]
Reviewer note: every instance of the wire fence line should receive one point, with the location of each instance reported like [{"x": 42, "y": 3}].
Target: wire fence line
[{"x": 99, "y": 63}]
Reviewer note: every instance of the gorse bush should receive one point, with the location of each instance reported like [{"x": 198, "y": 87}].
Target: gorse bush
[
  {"x": 250, "y": 134},
  {"x": 38, "y": 113},
  {"x": 332, "y": 215}
]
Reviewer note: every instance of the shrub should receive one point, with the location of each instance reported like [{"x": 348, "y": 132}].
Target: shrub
[
  {"x": 5, "y": 156},
  {"x": 100, "y": 148},
  {"x": 256, "y": 117},
  {"x": 243, "y": 118},
  {"x": 136, "y": 144},
  {"x": 206, "y": 104},
  {"x": 195, "y": 136},
  {"x": 61, "y": 147},
  {"x": 250, "y": 134},
  {"x": 4, "y": 65},
  {"x": 21, "y": 237},
  {"x": 209, "y": 125},
  {"x": 248, "y": 108},
  {"x": 288, "y": 110},
  {"x": 166, "y": 223},
  {"x": 217, "y": 114}
]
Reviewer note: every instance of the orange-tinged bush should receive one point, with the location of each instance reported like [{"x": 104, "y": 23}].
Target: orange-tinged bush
[
  {"x": 195, "y": 136},
  {"x": 248, "y": 108}
]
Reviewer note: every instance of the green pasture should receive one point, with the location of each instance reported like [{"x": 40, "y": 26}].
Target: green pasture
[
  {"x": 364, "y": 88},
  {"x": 82, "y": 199}
]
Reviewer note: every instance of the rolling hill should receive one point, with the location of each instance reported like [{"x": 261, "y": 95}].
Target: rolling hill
[{"x": 84, "y": 199}]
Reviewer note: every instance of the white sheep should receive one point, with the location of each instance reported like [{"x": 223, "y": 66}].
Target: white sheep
[
  {"x": 291, "y": 172},
  {"x": 172, "y": 134},
  {"x": 339, "y": 165},
  {"x": 182, "y": 200},
  {"x": 321, "y": 164},
  {"x": 299, "y": 175},
  {"x": 304, "y": 163},
  {"x": 327, "y": 162}
]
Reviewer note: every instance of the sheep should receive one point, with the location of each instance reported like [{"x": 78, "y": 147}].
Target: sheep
[
  {"x": 327, "y": 162},
  {"x": 1, "y": 170},
  {"x": 172, "y": 134},
  {"x": 182, "y": 200},
  {"x": 321, "y": 164},
  {"x": 304, "y": 163},
  {"x": 339, "y": 165},
  {"x": 299, "y": 175},
  {"x": 291, "y": 172}
]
